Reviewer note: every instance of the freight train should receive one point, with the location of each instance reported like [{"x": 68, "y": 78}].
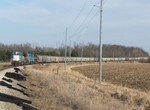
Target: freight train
[
  {"x": 20, "y": 58},
  {"x": 47, "y": 59}
]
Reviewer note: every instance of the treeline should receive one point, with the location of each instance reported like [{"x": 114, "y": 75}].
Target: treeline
[
  {"x": 92, "y": 50},
  {"x": 78, "y": 50}
]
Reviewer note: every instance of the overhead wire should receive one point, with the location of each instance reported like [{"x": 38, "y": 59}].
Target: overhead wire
[
  {"x": 82, "y": 8},
  {"x": 83, "y": 22},
  {"x": 87, "y": 24}
]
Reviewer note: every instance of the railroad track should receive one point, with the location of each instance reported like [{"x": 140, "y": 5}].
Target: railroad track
[{"x": 12, "y": 93}]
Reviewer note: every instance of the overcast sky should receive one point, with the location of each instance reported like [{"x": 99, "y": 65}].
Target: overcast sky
[{"x": 43, "y": 22}]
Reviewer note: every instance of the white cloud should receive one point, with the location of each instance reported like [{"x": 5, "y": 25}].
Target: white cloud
[
  {"x": 32, "y": 13},
  {"x": 51, "y": 17}
]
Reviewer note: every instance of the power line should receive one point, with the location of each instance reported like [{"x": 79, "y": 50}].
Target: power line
[
  {"x": 103, "y": 2},
  {"x": 86, "y": 26},
  {"x": 85, "y": 18},
  {"x": 82, "y": 8},
  {"x": 78, "y": 29},
  {"x": 81, "y": 27}
]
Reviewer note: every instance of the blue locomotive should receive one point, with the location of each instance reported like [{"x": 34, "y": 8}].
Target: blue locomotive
[
  {"x": 20, "y": 58},
  {"x": 28, "y": 58}
]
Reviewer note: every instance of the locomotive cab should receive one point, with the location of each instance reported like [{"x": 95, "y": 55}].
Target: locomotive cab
[{"x": 17, "y": 58}]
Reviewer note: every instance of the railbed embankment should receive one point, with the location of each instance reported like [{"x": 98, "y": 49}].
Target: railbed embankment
[{"x": 12, "y": 90}]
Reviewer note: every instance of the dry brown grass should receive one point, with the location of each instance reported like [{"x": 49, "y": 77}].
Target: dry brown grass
[
  {"x": 51, "y": 88},
  {"x": 4, "y": 65}
]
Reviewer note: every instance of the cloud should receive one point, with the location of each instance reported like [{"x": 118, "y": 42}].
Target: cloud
[
  {"x": 34, "y": 13},
  {"x": 121, "y": 18}
]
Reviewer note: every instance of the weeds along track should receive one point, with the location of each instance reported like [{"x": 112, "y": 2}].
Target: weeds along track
[{"x": 132, "y": 75}]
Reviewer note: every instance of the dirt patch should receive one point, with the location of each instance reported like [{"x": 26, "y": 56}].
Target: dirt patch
[{"x": 132, "y": 75}]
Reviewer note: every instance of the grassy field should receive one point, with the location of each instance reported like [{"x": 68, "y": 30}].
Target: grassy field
[
  {"x": 52, "y": 88},
  {"x": 132, "y": 75}
]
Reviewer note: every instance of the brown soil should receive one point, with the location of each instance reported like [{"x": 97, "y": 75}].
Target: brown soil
[{"x": 132, "y": 75}]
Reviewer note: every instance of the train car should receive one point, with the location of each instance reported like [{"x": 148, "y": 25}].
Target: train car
[
  {"x": 45, "y": 59},
  {"x": 17, "y": 58},
  {"x": 36, "y": 59}
]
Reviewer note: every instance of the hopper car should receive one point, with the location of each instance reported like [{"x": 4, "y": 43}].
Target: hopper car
[
  {"x": 48, "y": 59},
  {"x": 20, "y": 58}
]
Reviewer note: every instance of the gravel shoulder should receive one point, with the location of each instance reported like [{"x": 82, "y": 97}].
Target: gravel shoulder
[{"x": 12, "y": 95}]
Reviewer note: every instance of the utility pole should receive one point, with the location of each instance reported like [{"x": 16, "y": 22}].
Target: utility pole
[
  {"x": 66, "y": 48},
  {"x": 70, "y": 50},
  {"x": 81, "y": 53},
  {"x": 100, "y": 42}
]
